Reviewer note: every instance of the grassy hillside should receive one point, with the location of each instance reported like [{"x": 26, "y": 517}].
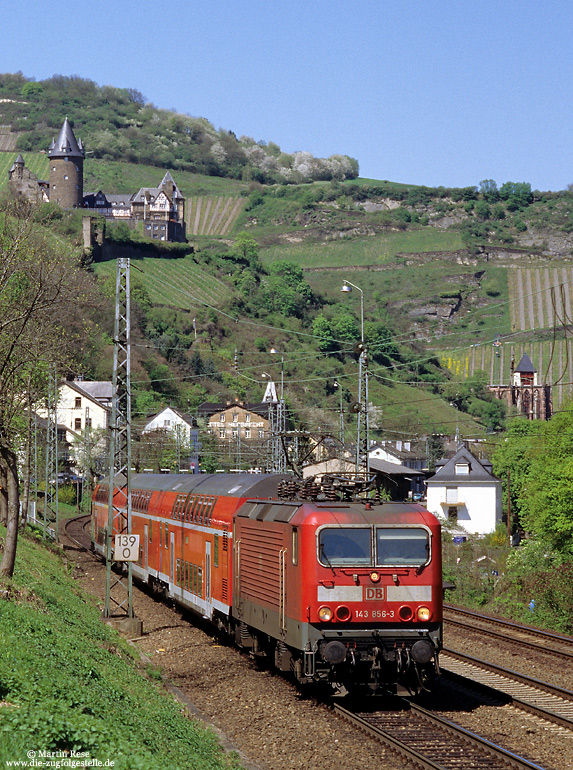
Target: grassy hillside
[
  {"x": 379, "y": 249},
  {"x": 118, "y": 124},
  {"x": 120, "y": 177},
  {"x": 444, "y": 271},
  {"x": 68, "y": 682}
]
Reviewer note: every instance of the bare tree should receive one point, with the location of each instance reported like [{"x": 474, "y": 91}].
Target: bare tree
[{"x": 42, "y": 293}]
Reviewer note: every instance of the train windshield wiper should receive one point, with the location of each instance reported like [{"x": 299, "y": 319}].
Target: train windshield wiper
[{"x": 326, "y": 559}]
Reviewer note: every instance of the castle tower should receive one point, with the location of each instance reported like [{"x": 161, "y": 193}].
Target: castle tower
[
  {"x": 66, "y": 157},
  {"x": 16, "y": 173}
]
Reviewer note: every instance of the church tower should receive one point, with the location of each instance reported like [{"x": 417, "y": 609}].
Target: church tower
[{"x": 66, "y": 157}]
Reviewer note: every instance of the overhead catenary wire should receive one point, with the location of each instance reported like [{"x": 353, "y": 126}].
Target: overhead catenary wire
[{"x": 375, "y": 371}]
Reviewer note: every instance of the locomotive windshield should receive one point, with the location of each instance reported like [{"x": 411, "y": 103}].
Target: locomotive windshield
[
  {"x": 401, "y": 546},
  {"x": 345, "y": 546},
  {"x": 394, "y": 546}
]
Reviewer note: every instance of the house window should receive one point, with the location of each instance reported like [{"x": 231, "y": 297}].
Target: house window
[
  {"x": 247, "y": 418},
  {"x": 78, "y": 423},
  {"x": 235, "y": 434},
  {"x": 451, "y": 495},
  {"x": 261, "y": 434},
  {"x": 78, "y": 403},
  {"x": 453, "y": 513},
  {"x": 462, "y": 469},
  {"x": 235, "y": 417},
  {"x": 166, "y": 423},
  {"x": 222, "y": 433},
  {"x": 222, "y": 418},
  {"x": 247, "y": 433}
]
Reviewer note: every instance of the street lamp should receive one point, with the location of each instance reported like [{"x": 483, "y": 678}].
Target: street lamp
[{"x": 347, "y": 287}]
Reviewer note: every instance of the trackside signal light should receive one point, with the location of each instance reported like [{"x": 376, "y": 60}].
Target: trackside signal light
[
  {"x": 424, "y": 614},
  {"x": 325, "y": 614}
]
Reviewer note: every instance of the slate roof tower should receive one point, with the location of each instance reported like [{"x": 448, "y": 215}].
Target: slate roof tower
[{"x": 66, "y": 156}]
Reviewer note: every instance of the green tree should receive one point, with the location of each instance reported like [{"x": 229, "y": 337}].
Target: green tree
[
  {"x": 32, "y": 89},
  {"x": 246, "y": 249},
  {"x": 517, "y": 194},
  {"x": 472, "y": 396},
  {"x": 286, "y": 291},
  {"x": 322, "y": 329},
  {"x": 482, "y": 210},
  {"x": 42, "y": 295},
  {"x": 345, "y": 327},
  {"x": 547, "y": 502},
  {"x": 489, "y": 191},
  {"x": 380, "y": 341}
]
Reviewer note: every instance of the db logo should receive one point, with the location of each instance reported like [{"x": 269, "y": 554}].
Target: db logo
[{"x": 375, "y": 594}]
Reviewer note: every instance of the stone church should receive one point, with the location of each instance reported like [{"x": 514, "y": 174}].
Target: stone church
[
  {"x": 161, "y": 209},
  {"x": 524, "y": 392}
]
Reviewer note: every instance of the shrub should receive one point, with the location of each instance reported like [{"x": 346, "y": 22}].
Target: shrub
[{"x": 67, "y": 494}]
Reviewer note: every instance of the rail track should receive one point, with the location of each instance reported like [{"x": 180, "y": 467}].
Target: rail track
[
  {"x": 544, "y": 700},
  {"x": 75, "y": 530},
  {"x": 426, "y": 740},
  {"x": 534, "y": 638}
]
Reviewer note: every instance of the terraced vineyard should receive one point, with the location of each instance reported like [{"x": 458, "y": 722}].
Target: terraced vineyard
[
  {"x": 7, "y": 139},
  {"x": 212, "y": 215},
  {"x": 552, "y": 359},
  {"x": 35, "y": 161},
  {"x": 175, "y": 282},
  {"x": 540, "y": 297}
]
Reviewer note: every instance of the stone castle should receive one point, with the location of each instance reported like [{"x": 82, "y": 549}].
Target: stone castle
[{"x": 160, "y": 210}]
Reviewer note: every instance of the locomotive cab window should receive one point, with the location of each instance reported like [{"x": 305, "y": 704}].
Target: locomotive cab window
[
  {"x": 345, "y": 546},
  {"x": 402, "y": 546}
]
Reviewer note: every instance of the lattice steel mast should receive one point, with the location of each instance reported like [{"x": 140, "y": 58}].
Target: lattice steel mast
[{"x": 120, "y": 604}]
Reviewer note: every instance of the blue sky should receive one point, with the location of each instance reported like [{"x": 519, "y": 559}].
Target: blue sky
[{"x": 435, "y": 92}]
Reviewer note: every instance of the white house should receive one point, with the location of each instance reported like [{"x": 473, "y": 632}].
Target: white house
[
  {"x": 464, "y": 492},
  {"x": 82, "y": 405},
  {"x": 182, "y": 426},
  {"x": 173, "y": 421}
]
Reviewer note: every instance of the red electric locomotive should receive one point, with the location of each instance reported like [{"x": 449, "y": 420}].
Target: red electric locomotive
[{"x": 341, "y": 591}]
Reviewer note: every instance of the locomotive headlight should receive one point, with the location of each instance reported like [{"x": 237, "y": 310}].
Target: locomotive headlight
[
  {"x": 424, "y": 614},
  {"x": 324, "y": 614},
  {"x": 405, "y": 612},
  {"x": 375, "y": 577}
]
